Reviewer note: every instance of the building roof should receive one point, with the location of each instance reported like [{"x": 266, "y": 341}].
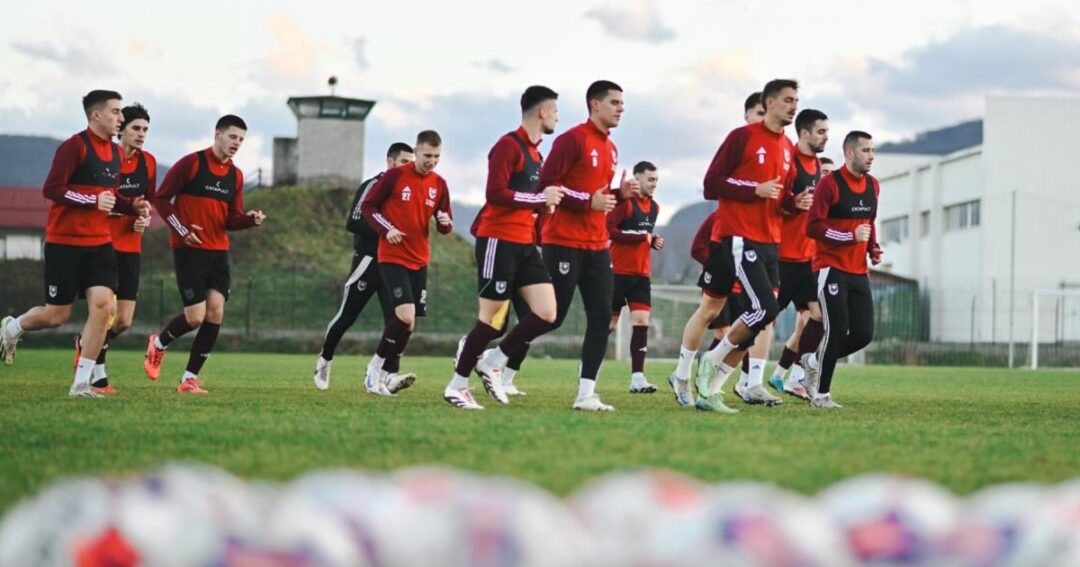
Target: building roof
[
  {"x": 939, "y": 142},
  {"x": 27, "y": 208},
  {"x": 330, "y": 107}
]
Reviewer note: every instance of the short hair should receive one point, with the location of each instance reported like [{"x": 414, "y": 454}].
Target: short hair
[
  {"x": 95, "y": 98},
  {"x": 751, "y": 101},
  {"x": 806, "y": 119},
  {"x": 826, "y": 160},
  {"x": 429, "y": 137},
  {"x": 229, "y": 120},
  {"x": 773, "y": 88},
  {"x": 599, "y": 89},
  {"x": 534, "y": 95},
  {"x": 397, "y": 148},
  {"x": 133, "y": 113},
  {"x": 643, "y": 166},
  {"x": 853, "y": 137}
]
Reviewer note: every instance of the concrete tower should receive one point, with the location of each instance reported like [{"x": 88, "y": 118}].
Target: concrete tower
[{"x": 328, "y": 151}]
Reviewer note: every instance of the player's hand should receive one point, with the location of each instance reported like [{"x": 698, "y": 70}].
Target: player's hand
[
  {"x": 141, "y": 206},
  {"x": 257, "y": 215},
  {"x": 769, "y": 189},
  {"x": 657, "y": 242},
  {"x": 875, "y": 255},
  {"x": 629, "y": 186},
  {"x": 602, "y": 201},
  {"x": 804, "y": 201},
  {"x": 106, "y": 200},
  {"x": 141, "y": 223},
  {"x": 553, "y": 196},
  {"x": 443, "y": 218},
  {"x": 862, "y": 233},
  {"x": 395, "y": 236},
  {"x": 193, "y": 238}
]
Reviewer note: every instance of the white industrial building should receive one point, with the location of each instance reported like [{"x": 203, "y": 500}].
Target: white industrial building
[{"x": 952, "y": 223}]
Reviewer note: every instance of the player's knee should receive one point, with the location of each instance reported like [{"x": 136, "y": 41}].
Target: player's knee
[
  {"x": 771, "y": 310},
  {"x": 195, "y": 318},
  {"x": 120, "y": 326},
  {"x": 409, "y": 319},
  {"x": 56, "y": 317},
  {"x": 547, "y": 314}
]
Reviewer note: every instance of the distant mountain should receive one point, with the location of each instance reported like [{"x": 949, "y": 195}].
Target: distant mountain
[
  {"x": 673, "y": 264},
  {"x": 939, "y": 142},
  {"x": 25, "y": 160},
  {"x": 464, "y": 215}
]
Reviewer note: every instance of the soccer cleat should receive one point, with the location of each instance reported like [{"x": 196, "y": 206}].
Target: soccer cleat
[
  {"x": 491, "y": 378},
  {"x": 681, "y": 388},
  {"x": 742, "y": 393},
  {"x": 7, "y": 342},
  {"x": 714, "y": 404},
  {"x": 78, "y": 351},
  {"x": 154, "y": 356},
  {"x": 397, "y": 382},
  {"x": 592, "y": 403},
  {"x": 461, "y": 399},
  {"x": 106, "y": 390},
  {"x": 797, "y": 390},
  {"x": 824, "y": 401},
  {"x": 322, "y": 374},
  {"x": 83, "y": 391},
  {"x": 811, "y": 374},
  {"x": 777, "y": 383},
  {"x": 512, "y": 390},
  {"x": 376, "y": 385},
  {"x": 644, "y": 387},
  {"x": 760, "y": 395},
  {"x": 706, "y": 371},
  {"x": 191, "y": 386}
]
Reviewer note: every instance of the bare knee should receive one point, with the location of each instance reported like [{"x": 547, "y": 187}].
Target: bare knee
[{"x": 547, "y": 314}]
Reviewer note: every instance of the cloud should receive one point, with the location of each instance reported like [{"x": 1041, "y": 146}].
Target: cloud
[
  {"x": 495, "y": 65},
  {"x": 291, "y": 64},
  {"x": 639, "y": 20},
  {"x": 359, "y": 49},
  {"x": 73, "y": 60}
]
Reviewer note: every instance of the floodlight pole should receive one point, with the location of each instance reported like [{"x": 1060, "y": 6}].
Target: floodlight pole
[{"x": 1012, "y": 282}]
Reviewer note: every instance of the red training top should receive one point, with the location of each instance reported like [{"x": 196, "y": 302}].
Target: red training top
[
  {"x": 513, "y": 191},
  {"x": 795, "y": 246},
  {"x": 138, "y": 178},
  {"x": 699, "y": 248},
  {"x": 201, "y": 190},
  {"x": 405, "y": 200},
  {"x": 582, "y": 162},
  {"x": 630, "y": 225},
  {"x": 842, "y": 203}
]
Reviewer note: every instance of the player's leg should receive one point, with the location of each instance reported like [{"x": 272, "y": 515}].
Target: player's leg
[
  {"x": 595, "y": 285},
  {"x": 100, "y": 302},
  {"x": 398, "y": 284},
  {"x": 356, "y": 292},
  {"x": 204, "y": 341},
  {"x": 192, "y": 269},
  {"x": 860, "y": 328},
  {"x": 127, "y": 292},
  {"x": 61, "y": 289},
  {"x": 639, "y": 347},
  {"x": 715, "y": 282},
  {"x": 835, "y": 317},
  {"x": 515, "y": 360}
]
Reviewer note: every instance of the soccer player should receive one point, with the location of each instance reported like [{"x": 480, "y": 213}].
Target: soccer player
[
  {"x": 841, "y": 220},
  {"x": 79, "y": 257},
  {"x": 574, "y": 237},
  {"x": 751, "y": 176},
  {"x": 400, "y": 208},
  {"x": 827, "y": 166},
  {"x": 507, "y": 260},
  {"x": 631, "y": 226},
  {"x": 797, "y": 283},
  {"x": 363, "y": 281},
  {"x": 138, "y": 180},
  {"x": 201, "y": 199}
]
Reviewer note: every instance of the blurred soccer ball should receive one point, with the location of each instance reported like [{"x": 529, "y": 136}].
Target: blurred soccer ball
[
  {"x": 62, "y": 523},
  {"x": 1001, "y": 526}
]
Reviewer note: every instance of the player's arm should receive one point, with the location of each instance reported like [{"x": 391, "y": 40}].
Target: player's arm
[
  {"x": 873, "y": 248},
  {"x": 564, "y": 153},
  {"x": 615, "y": 218},
  {"x": 791, "y": 204},
  {"x": 238, "y": 219},
  {"x": 699, "y": 247},
  {"x": 371, "y": 206},
  {"x": 817, "y": 223},
  {"x": 68, "y": 157},
  {"x": 502, "y": 161},
  {"x": 179, "y": 174},
  {"x": 719, "y": 181},
  {"x": 444, "y": 216}
]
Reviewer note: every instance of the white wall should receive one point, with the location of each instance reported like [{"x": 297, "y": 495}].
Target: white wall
[
  {"x": 20, "y": 246},
  {"x": 331, "y": 152}
]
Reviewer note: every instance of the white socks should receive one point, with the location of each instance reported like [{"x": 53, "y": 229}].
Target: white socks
[
  {"x": 508, "y": 376},
  {"x": 376, "y": 363},
  {"x": 718, "y": 354},
  {"x": 187, "y": 376},
  {"x": 99, "y": 372},
  {"x": 83, "y": 369},
  {"x": 157, "y": 342},
  {"x": 458, "y": 382},
  {"x": 585, "y": 388},
  {"x": 497, "y": 358},
  {"x": 637, "y": 378},
  {"x": 14, "y": 328},
  {"x": 757, "y": 371},
  {"x": 721, "y": 378},
  {"x": 686, "y": 360}
]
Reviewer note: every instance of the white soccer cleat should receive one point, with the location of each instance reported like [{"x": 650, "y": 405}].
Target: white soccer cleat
[
  {"x": 322, "y": 374},
  {"x": 681, "y": 388},
  {"x": 396, "y": 382},
  {"x": 759, "y": 395},
  {"x": 83, "y": 391},
  {"x": 461, "y": 399},
  {"x": 8, "y": 342},
  {"x": 742, "y": 393},
  {"x": 512, "y": 390},
  {"x": 642, "y": 386},
  {"x": 824, "y": 401},
  {"x": 491, "y": 377},
  {"x": 811, "y": 372},
  {"x": 592, "y": 403},
  {"x": 375, "y": 382}
]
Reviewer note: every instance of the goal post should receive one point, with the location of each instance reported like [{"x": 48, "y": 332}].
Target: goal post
[{"x": 1041, "y": 298}]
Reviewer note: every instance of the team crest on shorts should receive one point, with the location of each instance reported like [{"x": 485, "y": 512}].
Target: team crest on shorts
[
  {"x": 52, "y": 291},
  {"x": 708, "y": 278},
  {"x": 500, "y": 287},
  {"x": 564, "y": 268},
  {"x": 398, "y": 292},
  {"x": 834, "y": 289},
  {"x": 189, "y": 294},
  {"x": 423, "y": 297},
  {"x": 751, "y": 256},
  {"x": 361, "y": 285}
]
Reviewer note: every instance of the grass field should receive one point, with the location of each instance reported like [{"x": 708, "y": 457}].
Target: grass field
[{"x": 964, "y": 428}]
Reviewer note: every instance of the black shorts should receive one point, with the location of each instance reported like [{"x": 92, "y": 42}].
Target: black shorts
[
  {"x": 755, "y": 265},
  {"x": 798, "y": 284},
  {"x": 401, "y": 286},
  {"x": 504, "y": 267},
  {"x": 128, "y": 266},
  {"x": 635, "y": 291},
  {"x": 198, "y": 271},
  {"x": 71, "y": 270},
  {"x": 733, "y": 307},
  {"x": 364, "y": 273}
]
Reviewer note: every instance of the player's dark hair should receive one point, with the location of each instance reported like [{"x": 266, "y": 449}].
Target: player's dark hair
[
  {"x": 826, "y": 160},
  {"x": 806, "y": 119},
  {"x": 134, "y": 112},
  {"x": 96, "y": 98},
  {"x": 599, "y": 90},
  {"x": 643, "y": 166},
  {"x": 853, "y": 138},
  {"x": 429, "y": 137},
  {"x": 751, "y": 101},
  {"x": 228, "y": 121},
  {"x": 772, "y": 89},
  {"x": 534, "y": 95},
  {"x": 397, "y": 148}
]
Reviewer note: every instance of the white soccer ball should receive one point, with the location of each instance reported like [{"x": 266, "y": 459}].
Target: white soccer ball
[
  {"x": 61, "y": 523},
  {"x": 891, "y": 520},
  {"x": 1003, "y": 525}
]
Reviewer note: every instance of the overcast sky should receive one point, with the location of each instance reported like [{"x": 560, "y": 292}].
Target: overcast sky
[{"x": 892, "y": 68}]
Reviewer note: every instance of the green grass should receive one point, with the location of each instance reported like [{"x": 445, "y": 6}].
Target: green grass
[{"x": 964, "y": 428}]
